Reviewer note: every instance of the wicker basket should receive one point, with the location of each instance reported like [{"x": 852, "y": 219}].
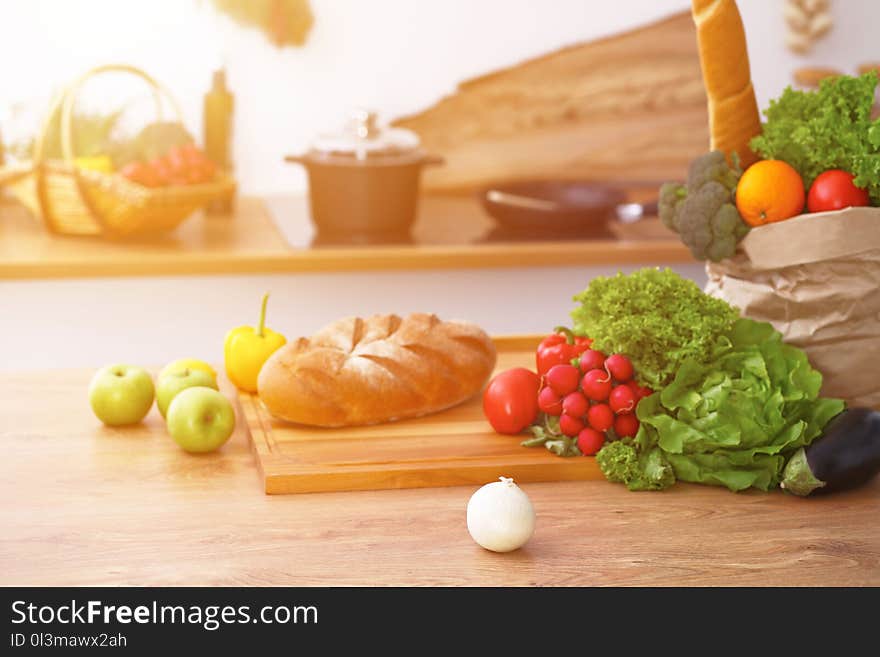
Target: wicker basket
[{"x": 74, "y": 201}]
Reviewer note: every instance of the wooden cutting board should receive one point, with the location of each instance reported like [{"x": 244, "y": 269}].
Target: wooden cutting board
[{"x": 452, "y": 448}]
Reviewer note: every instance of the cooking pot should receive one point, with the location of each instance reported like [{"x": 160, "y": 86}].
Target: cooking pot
[{"x": 364, "y": 181}]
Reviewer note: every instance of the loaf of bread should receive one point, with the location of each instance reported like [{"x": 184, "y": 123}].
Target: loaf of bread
[
  {"x": 724, "y": 59},
  {"x": 359, "y": 371}
]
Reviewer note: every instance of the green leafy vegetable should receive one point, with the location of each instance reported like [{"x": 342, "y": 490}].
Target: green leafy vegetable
[
  {"x": 655, "y": 317},
  {"x": 636, "y": 464},
  {"x": 830, "y": 128},
  {"x": 736, "y": 420},
  {"x": 703, "y": 212}
]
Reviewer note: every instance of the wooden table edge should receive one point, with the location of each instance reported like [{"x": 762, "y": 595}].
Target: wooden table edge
[{"x": 414, "y": 258}]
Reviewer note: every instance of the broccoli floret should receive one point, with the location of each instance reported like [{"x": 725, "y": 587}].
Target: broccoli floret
[
  {"x": 703, "y": 212},
  {"x": 713, "y": 167},
  {"x": 672, "y": 196},
  {"x": 621, "y": 462},
  {"x": 726, "y": 220},
  {"x": 697, "y": 217}
]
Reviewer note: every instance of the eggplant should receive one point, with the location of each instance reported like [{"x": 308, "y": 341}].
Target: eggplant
[{"x": 846, "y": 455}]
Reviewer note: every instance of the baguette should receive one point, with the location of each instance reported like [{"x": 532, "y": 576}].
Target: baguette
[
  {"x": 365, "y": 371},
  {"x": 724, "y": 59}
]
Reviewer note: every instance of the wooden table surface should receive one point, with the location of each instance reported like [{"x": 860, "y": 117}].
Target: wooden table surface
[
  {"x": 450, "y": 233},
  {"x": 87, "y": 505}
]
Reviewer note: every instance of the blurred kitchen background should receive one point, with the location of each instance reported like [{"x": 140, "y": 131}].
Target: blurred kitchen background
[
  {"x": 395, "y": 56},
  {"x": 498, "y": 89}
]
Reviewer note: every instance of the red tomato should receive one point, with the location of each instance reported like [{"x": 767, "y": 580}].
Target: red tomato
[
  {"x": 177, "y": 161},
  {"x": 140, "y": 173},
  {"x": 510, "y": 401},
  {"x": 191, "y": 152},
  {"x": 162, "y": 170},
  {"x": 834, "y": 190},
  {"x": 208, "y": 168}
]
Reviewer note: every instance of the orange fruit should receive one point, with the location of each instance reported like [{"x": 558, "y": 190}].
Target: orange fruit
[{"x": 769, "y": 190}]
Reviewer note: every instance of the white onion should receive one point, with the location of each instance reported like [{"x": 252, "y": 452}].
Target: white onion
[{"x": 500, "y": 516}]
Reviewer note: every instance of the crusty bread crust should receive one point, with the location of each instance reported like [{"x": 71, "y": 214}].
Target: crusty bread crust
[
  {"x": 359, "y": 371},
  {"x": 724, "y": 59}
]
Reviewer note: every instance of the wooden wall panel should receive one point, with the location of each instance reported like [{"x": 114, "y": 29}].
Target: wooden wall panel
[{"x": 626, "y": 107}]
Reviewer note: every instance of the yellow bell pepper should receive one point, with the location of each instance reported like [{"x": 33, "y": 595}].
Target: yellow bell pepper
[
  {"x": 246, "y": 349},
  {"x": 101, "y": 163}
]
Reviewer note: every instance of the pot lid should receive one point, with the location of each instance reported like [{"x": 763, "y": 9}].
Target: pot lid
[{"x": 363, "y": 137}]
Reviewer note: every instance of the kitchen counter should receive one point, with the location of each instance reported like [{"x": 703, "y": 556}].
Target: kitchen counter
[
  {"x": 275, "y": 236},
  {"x": 88, "y": 505}
]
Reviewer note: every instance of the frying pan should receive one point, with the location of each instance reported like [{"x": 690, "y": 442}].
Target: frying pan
[{"x": 580, "y": 207}]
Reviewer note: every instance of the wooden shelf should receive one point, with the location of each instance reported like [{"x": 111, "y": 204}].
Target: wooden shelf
[{"x": 275, "y": 236}]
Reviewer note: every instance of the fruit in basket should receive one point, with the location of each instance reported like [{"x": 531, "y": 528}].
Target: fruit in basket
[
  {"x": 100, "y": 163},
  {"x": 770, "y": 191},
  {"x": 157, "y": 139},
  {"x": 183, "y": 164},
  {"x": 835, "y": 190},
  {"x": 121, "y": 394},
  {"x": 141, "y": 173}
]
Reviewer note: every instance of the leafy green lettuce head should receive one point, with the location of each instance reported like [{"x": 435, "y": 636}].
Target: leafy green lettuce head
[
  {"x": 735, "y": 420},
  {"x": 655, "y": 317}
]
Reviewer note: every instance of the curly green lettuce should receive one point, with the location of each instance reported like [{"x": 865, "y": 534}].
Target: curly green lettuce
[
  {"x": 655, "y": 317},
  {"x": 733, "y": 421},
  {"x": 638, "y": 466},
  {"x": 830, "y": 128}
]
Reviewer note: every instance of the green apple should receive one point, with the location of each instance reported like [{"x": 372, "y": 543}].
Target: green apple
[
  {"x": 174, "y": 381},
  {"x": 200, "y": 419},
  {"x": 188, "y": 364},
  {"x": 121, "y": 394}
]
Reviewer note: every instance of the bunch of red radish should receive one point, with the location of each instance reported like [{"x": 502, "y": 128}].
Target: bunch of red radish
[{"x": 591, "y": 399}]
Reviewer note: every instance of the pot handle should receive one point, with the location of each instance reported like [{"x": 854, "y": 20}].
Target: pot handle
[{"x": 296, "y": 159}]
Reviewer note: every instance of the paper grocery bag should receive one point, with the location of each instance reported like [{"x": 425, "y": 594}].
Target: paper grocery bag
[{"x": 816, "y": 278}]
